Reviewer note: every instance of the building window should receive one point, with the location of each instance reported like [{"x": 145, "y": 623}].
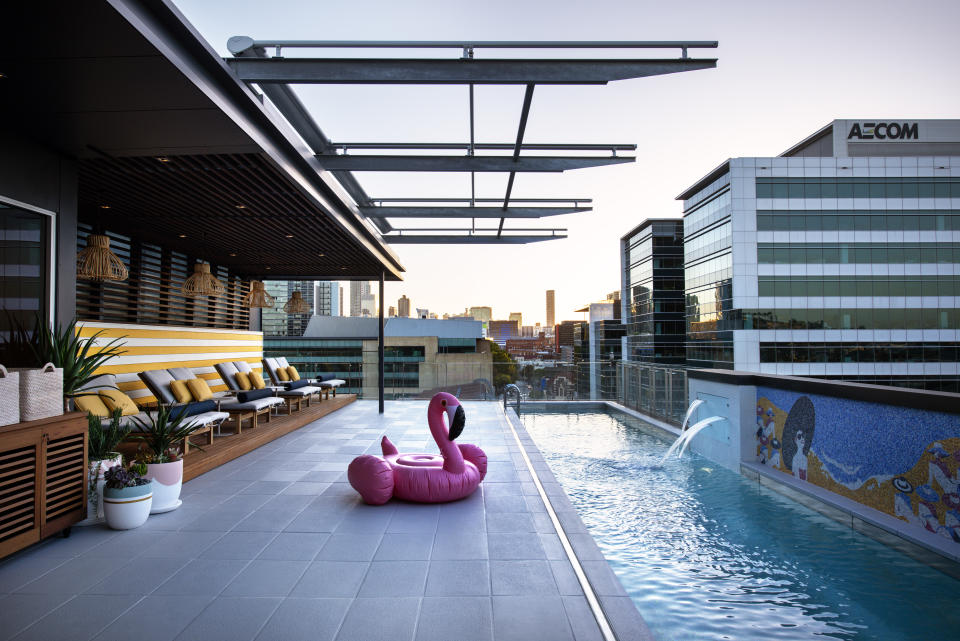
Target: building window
[{"x": 24, "y": 270}]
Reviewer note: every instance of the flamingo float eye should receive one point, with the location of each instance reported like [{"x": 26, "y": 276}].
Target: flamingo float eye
[{"x": 443, "y": 403}]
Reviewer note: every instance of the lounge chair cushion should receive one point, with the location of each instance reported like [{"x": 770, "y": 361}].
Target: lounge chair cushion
[
  {"x": 256, "y": 380},
  {"x": 192, "y": 409},
  {"x": 282, "y": 361},
  {"x": 102, "y": 382},
  {"x": 114, "y": 398},
  {"x": 301, "y": 392},
  {"x": 158, "y": 382},
  {"x": 243, "y": 380},
  {"x": 296, "y": 385},
  {"x": 242, "y": 366},
  {"x": 180, "y": 391},
  {"x": 292, "y": 373},
  {"x": 199, "y": 389},
  {"x": 281, "y": 375},
  {"x": 253, "y": 395},
  {"x": 256, "y": 404},
  {"x": 228, "y": 372},
  {"x": 91, "y": 404},
  {"x": 199, "y": 420},
  {"x": 182, "y": 373}
]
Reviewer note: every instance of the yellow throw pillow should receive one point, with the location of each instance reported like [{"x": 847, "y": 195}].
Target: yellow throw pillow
[
  {"x": 293, "y": 373},
  {"x": 282, "y": 375},
  {"x": 180, "y": 391},
  {"x": 257, "y": 380},
  {"x": 243, "y": 380},
  {"x": 114, "y": 398},
  {"x": 91, "y": 404},
  {"x": 199, "y": 389}
]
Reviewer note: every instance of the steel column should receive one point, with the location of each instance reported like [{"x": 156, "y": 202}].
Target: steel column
[{"x": 380, "y": 345}]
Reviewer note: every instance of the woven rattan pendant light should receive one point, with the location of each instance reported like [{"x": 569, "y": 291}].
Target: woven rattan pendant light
[
  {"x": 296, "y": 304},
  {"x": 257, "y": 297},
  {"x": 202, "y": 283},
  {"x": 97, "y": 262}
]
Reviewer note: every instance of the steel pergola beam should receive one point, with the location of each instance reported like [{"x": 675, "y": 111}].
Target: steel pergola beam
[
  {"x": 468, "y": 239},
  {"x": 466, "y": 163},
  {"x": 470, "y": 212},
  {"x": 415, "y": 71}
]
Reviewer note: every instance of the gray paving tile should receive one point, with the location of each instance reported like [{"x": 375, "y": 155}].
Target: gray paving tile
[
  {"x": 522, "y": 577},
  {"x": 380, "y": 619},
  {"x": 365, "y": 519},
  {"x": 80, "y": 541},
  {"x": 306, "y": 488},
  {"x": 509, "y": 522},
  {"x": 581, "y": 619},
  {"x": 602, "y": 578},
  {"x": 80, "y": 618},
  {"x": 508, "y": 503},
  {"x": 530, "y": 618},
  {"x": 185, "y": 545},
  {"x": 294, "y": 546},
  {"x": 267, "y": 578},
  {"x": 331, "y": 579},
  {"x": 460, "y": 545},
  {"x": 458, "y": 578},
  {"x": 217, "y": 520},
  {"x": 155, "y": 618},
  {"x": 515, "y": 546},
  {"x": 623, "y": 616},
  {"x": 585, "y": 547},
  {"x": 305, "y": 620},
  {"x": 314, "y": 520},
  {"x": 398, "y": 546},
  {"x": 73, "y": 577},
  {"x": 242, "y": 546},
  {"x": 265, "y": 520},
  {"x": 202, "y": 577},
  {"x": 566, "y": 579},
  {"x": 140, "y": 576},
  {"x": 17, "y": 611},
  {"x": 24, "y": 568},
  {"x": 130, "y": 545},
  {"x": 350, "y": 547},
  {"x": 246, "y": 502},
  {"x": 463, "y": 619},
  {"x": 394, "y": 579},
  {"x": 413, "y": 518},
  {"x": 552, "y": 546},
  {"x": 294, "y": 503},
  {"x": 230, "y": 619}
]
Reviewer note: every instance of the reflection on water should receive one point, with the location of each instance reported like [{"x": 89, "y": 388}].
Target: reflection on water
[{"x": 707, "y": 554}]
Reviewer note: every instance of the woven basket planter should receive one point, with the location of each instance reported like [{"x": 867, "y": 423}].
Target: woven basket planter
[
  {"x": 9, "y": 396},
  {"x": 41, "y": 392}
]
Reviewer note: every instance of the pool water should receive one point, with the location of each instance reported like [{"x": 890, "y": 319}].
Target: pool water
[{"x": 707, "y": 554}]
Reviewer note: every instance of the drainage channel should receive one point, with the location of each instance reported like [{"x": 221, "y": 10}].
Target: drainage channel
[{"x": 605, "y": 629}]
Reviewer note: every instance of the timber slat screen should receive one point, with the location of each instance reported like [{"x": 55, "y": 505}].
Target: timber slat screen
[{"x": 152, "y": 296}]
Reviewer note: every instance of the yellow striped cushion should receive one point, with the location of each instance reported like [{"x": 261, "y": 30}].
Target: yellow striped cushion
[
  {"x": 257, "y": 380},
  {"x": 199, "y": 389},
  {"x": 114, "y": 398},
  {"x": 293, "y": 373},
  {"x": 180, "y": 391},
  {"x": 243, "y": 380},
  {"x": 91, "y": 404}
]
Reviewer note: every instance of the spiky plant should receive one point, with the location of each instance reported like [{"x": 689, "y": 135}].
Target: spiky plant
[
  {"x": 79, "y": 357},
  {"x": 161, "y": 433},
  {"x": 104, "y": 439}
]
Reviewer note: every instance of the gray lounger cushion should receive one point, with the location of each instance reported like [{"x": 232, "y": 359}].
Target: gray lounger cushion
[
  {"x": 300, "y": 391},
  {"x": 282, "y": 361},
  {"x": 99, "y": 383},
  {"x": 270, "y": 364},
  {"x": 181, "y": 373},
  {"x": 228, "y": 372},
  {"x": 257, "y": 404},
  {"x": 158, "y": 382},
  {"x": 242, "y": 366}
]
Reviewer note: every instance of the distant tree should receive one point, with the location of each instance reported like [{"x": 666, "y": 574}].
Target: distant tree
[
  {"x": 526, "y": 373},
  {"x": 504, "y": 367}
]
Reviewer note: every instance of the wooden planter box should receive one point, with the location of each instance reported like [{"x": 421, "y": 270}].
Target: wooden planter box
[{"x": 43, "y": 479}]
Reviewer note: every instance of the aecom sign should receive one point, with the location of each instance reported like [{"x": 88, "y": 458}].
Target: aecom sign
[{"x": 884, "y": 131}]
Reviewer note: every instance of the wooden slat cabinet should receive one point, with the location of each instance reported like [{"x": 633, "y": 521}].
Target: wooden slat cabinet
[{"x": 43, "y": 487}]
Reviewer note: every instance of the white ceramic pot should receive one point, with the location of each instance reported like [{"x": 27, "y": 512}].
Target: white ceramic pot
[
  {"x": 129, "y": 507},
  {"x": 167, "y": 480},
  {"x": 95, "y": 488}
]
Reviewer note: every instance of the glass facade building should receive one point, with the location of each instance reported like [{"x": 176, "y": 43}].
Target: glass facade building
[
  {"x": 838, "y": 259},
  {"x": 651, "y": 260},
  {"x": 275, "y": 321}
]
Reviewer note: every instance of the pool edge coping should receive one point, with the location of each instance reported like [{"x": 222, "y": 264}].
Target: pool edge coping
[{"x": 624, "y": 623}]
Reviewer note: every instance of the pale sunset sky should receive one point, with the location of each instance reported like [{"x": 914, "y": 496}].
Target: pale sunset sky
[{"x": 785, "y": 69}]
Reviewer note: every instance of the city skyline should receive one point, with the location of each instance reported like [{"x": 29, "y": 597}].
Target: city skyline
[{"x": 684, "y": 124}]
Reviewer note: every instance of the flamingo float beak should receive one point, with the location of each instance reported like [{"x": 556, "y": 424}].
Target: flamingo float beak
[{"x": 457, "y": 421}]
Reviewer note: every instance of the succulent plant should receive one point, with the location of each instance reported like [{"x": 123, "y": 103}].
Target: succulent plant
[{"x": 119, "y": 477}]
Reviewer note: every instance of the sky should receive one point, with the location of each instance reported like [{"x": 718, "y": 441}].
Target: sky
[{"x": 785, "y": 70}]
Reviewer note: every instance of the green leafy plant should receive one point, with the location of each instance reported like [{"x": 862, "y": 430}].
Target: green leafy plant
[
  {"x": 78, "y": 357},
  {"x": 161, "y": 433},
  {"x": 103, "y": 439}
]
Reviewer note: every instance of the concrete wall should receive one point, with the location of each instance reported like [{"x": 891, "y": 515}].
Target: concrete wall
[{"x": 36, "y": 178}]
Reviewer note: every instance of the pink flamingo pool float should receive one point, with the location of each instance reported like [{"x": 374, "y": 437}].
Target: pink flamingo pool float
[{"x": 423, "y": 478}]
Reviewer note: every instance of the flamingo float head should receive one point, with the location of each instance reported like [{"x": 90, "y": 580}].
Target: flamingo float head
[{"x": 456, "y": 418}]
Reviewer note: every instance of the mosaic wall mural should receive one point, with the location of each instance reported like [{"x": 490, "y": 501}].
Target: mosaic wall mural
[{"x": 899, "y": 460}]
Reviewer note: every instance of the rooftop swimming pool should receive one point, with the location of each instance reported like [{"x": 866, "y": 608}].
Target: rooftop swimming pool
[{"x": 707, "y": 554}]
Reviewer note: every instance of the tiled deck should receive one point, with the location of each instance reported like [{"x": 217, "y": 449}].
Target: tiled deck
[{"x": 277, "y": 545}]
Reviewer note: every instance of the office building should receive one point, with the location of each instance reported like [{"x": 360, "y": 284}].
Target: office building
[
  {"x": 423, "y": 312},
  {"x": 274, "y": 320},
  {"x": 482, "y": 314},
  {"x": 551, "y": 308},
  {"x": 499, "y": 331},
  {"x": 392, "y": 312},
  {"x": 368, "y": 305},
  {"x": 839, "y": 258},
  {"x": 326, "y": 298},
  {"x": 358, "y": 289},
  {"x": 403, "y": 307},
  {"x": 651, "y": 271},
  {"x": 516, "y": 316}
]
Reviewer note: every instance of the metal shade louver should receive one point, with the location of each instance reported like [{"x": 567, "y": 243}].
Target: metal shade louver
[
  {"x": 97, "y": 262},
  {"x": 202, "y": 282}
]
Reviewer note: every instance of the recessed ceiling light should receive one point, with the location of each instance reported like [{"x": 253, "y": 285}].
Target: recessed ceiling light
[
  {"x": 320, "y": 255},
  {"x": 268, "y": 268},
  {"x": 289, "y": 235},
  {"x": 163, "y": 159},
  {"x": 233, "y": 254},
  {"x": 240, "y": 206},
  {"x": 104, "y": 206},
  {"x": 2, "y": 75},
  {"x": 183, "y": 235}
]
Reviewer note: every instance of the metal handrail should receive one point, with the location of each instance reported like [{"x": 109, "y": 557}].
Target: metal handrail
[{"x": 510, "y": 387}]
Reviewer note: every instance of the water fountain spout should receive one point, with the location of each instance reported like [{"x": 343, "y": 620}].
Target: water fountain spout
[{"x": 683, "y": 441}]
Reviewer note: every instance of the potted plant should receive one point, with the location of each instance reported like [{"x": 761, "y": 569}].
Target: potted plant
[
  {"x": 127, "y": 497},
  {"x": 102, "y": 442},
  {"x": 160, "y": 436}
]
